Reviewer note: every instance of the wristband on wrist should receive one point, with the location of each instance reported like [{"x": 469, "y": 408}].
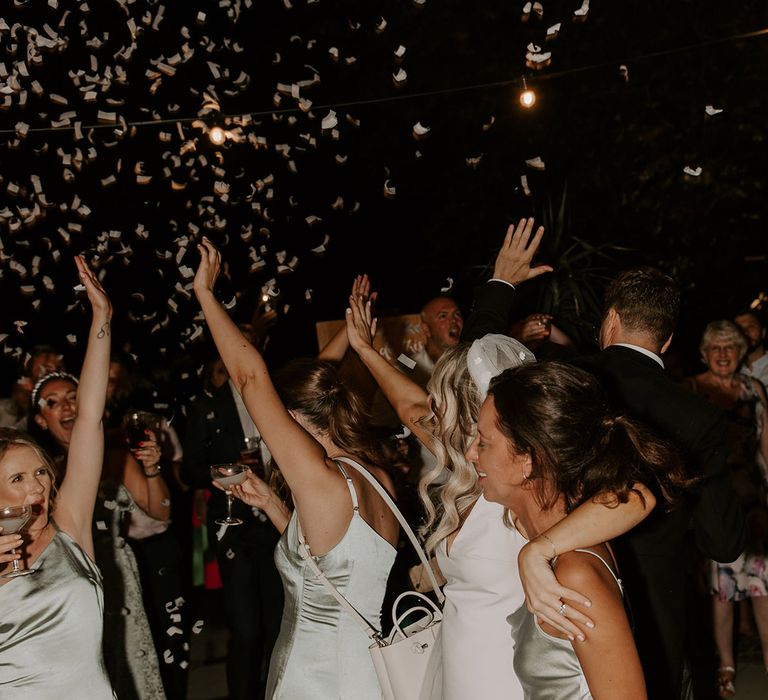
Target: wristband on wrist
[{"x": 157, "y": 471}]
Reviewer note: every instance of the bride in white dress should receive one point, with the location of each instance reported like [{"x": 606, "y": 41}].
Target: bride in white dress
[{"x": 476, "y": 550}]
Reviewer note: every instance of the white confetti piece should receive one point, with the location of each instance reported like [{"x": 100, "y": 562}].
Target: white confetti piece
[
  {"x": 693, "y": 172},
  {"x": 329, "y": 120},
  {"x": 407, "y": 361},
  {"x": 711, "y": 110},
  {"x": 581, "y": 14},
  {"x": 536, "y": 163},
  {"x": 624, "y": 72},
  {"x": 198, "y": 627}
]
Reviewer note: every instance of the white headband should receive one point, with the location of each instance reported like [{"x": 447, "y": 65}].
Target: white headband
[{"x": 490, "y": 355}]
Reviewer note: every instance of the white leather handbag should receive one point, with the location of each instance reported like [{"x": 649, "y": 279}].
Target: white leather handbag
[{"x": 408, "y": 661}]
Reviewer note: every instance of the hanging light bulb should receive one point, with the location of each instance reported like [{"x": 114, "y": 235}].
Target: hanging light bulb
[
  {"x": 527, "y": 96},
  {"x": 217, "y": 135}
]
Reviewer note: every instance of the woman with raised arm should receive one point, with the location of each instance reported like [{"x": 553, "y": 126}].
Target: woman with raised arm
[
  {"x": 476, "y": 551},
  {"x": 321, "y": 652},
  {"x": 50, "y": 638},
  {"x": 547, "y": 441}
]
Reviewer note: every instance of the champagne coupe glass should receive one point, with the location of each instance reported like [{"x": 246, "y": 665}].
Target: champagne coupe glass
[
  {"x": 228, "y": 475},
  {"x": 12, "y": 520}
]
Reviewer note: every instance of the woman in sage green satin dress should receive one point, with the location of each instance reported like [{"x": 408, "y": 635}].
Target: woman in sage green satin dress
[
  {"x": 51, "y": 620},
  {"x": 321, "y": 652}
]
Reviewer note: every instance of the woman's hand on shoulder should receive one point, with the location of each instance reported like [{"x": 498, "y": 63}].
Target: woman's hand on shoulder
[{"x": 544, "y": 593}]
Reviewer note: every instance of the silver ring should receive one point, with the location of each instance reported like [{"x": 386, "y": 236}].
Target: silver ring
[{"x": 561, "y": 609}]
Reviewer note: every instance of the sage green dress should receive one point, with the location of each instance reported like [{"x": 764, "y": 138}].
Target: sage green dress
[
  {"x": 321, "y": 652},
  {"x": 547, "y": 666},
  {"x": 51, "y": 627}
]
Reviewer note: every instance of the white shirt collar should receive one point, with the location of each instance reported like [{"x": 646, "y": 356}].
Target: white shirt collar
[{"x": 643, "y": 351}]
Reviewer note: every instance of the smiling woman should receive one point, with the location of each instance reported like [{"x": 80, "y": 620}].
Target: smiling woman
[
  {"x": 743, "y": 400},
  {"x": 548, "y": 442},
  {"x": 50, "y": 640}
]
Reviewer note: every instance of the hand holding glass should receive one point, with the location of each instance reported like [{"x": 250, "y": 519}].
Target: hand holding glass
[
  {"x": 136, "y": 424},
  {"x": 227, "y": 475},
  {"x": 12, "y": 520}
]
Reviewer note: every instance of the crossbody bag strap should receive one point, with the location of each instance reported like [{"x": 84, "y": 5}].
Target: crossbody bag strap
[
  {"x": 366, "y": 626},
  {"x": 401, "y": 519},
  {"x": 306, "y": 554}
]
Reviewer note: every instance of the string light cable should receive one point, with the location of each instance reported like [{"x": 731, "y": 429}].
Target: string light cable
[{"x": 519, "y": 82}]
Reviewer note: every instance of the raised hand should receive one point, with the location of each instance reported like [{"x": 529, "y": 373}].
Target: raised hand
[
  {"x": 513, "y": 263},
  {"x": 96, "y": 295},
  {"x": 361, "y": 288},
  {"x": 209, "y": 268},
  {"x": 361, "y": 327}
]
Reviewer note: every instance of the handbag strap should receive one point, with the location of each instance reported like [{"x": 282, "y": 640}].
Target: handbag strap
[
  {"x": 305, "y": 553},
  {"x": 401, "y": 519}
]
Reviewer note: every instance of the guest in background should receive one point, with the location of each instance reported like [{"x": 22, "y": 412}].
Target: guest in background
[
  {"x": 641, "y": 309},
  {"x": 42, "y": 360},
  {"x": 756, "y": 360},
  {"x": 743, "y": 400}
]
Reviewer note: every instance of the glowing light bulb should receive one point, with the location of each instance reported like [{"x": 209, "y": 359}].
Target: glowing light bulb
[
  {"x": 265, "y": 298},
  {"x": 528, "y": 98},
  {"x": 217, "y": 135}
]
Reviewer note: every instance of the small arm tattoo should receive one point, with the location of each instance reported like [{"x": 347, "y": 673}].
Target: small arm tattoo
[{"x": 103, "y": 331}]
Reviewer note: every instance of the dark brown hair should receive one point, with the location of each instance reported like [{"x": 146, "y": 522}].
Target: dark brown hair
[
  {"x": 580, "y": 448},
  {"x": 647, "y": 300}
]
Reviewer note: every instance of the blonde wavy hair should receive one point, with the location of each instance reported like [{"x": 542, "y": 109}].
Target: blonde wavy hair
[{"x": 456, "y": 404}]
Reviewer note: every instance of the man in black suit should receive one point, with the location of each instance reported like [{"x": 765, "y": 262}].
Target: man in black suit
[
  {"x": 253, "y": 591},
  {"x": 641, "y": 309}
]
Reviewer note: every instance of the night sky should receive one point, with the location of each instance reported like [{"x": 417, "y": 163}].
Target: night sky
[{"x": 105, "y": 108}]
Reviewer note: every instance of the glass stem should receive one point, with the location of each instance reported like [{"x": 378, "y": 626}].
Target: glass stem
[
  {"x": 229, "y": 505},
  {"x": 14, "y": 563}
]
